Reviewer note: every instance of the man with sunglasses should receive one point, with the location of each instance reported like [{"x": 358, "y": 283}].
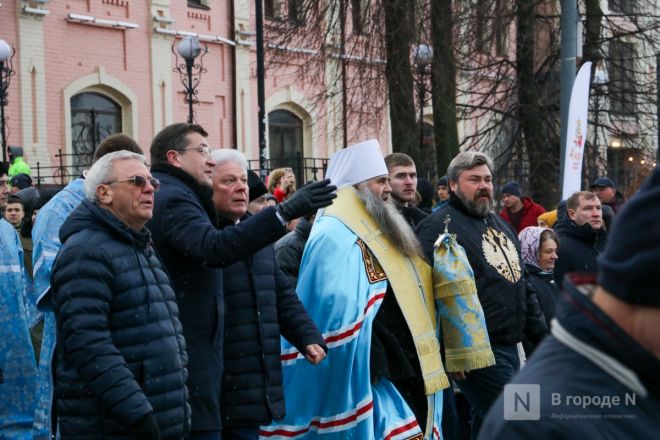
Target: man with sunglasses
[
  {"x": 45, "y": 236},
  {"x": 186, "y": 236},
  {"x": 121, "y": 359}
]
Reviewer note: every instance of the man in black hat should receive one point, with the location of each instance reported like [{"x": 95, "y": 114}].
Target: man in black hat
[
  {"x": 442, "y": 193},
  {"x": 258, "y": 193},
  {"x": 518, "y": 211},
  {"x": 19, "y": 182},
  {"x": 606, "y": 191},
  {"x": 597, "y": 375}
]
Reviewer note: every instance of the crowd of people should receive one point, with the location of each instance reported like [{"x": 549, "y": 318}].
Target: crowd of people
[{"x": 189, "y": 299}]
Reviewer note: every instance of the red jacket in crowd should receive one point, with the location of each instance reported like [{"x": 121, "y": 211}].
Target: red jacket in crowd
[{"x": 530, "y": 212}]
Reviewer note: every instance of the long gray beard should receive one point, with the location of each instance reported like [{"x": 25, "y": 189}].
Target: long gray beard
[{"x": 391, "y": 222}]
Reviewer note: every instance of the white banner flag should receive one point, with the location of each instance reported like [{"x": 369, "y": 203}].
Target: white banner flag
[{"x": 576, "y": 132}]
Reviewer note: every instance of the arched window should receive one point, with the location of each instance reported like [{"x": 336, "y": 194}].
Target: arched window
[
  {"x": 93, "y": 118},
  {"x": 285, "y": 134}
]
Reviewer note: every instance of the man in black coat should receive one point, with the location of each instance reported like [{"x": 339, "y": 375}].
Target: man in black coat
[
  {"x": 260, "y": 305},
  {"x": 403, "y": 180},
  {"x": 121, "y": 358},
  {"x": 186, "y": 236},
  {"x": 581, "y": 235},
  {"x": 511, "y": 310},
  {"x": 596, "y": 376},
  {"x": 289, "y": 249}
]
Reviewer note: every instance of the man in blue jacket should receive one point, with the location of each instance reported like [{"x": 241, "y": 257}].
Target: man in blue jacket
[
  {"x": 121, "y": 359},
  {"x": 596, "y": 376},
  {"x": 46, "y": 240},
  {"x": 186, "y": 236}
]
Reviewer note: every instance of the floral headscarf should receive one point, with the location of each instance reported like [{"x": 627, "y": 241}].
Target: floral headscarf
[{"x": 530, "y": 242}]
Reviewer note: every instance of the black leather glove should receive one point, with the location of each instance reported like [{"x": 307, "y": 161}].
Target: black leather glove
[
  {"x": 145, "y": 429},
  {"x": 307, "y": 199}
]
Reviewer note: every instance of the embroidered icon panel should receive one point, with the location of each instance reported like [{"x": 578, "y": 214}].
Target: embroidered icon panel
[
  {"x": 375, "y": 272},
  {"x": 501, "y": 254}
]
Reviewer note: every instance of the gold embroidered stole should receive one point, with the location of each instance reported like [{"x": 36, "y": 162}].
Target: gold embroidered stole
[{"x": 411, "y": 281}]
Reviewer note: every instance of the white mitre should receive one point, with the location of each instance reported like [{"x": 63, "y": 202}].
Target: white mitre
[{"x": 356, "y": 164}]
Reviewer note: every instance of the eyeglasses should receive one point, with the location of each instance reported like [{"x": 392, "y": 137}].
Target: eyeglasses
[
  {"x": 139, "y": 181},
  {"x": 204, "y": 151}
]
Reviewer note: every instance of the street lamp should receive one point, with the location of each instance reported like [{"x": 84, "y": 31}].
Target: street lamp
[
  {"x": 422, "y": 57},
  {"x": 6, "y": 72},
  {"x": 190, "y": 73}
]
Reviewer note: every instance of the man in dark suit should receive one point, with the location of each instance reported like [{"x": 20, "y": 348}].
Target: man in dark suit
[{"x": 194, "y": 250}]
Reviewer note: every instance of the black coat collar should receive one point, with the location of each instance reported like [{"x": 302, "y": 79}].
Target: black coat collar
[{"x": 203, "y": 193}]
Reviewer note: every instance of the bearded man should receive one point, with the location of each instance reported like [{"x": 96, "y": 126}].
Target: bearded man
[
  {"x": 512, "y": 312},
  {"x": 367, "y": 289}
]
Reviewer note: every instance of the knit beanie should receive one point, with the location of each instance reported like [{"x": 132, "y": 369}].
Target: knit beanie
[
  {"x": 257, "y": 187},
  {"x": 550, "y": 217},
  {"x": 629, "y": 265},
  {"x": 442, "y": 181},
  {"x": 511, "y": 188}
]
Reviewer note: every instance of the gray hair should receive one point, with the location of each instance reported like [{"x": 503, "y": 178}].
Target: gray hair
[
  {"x": 466, "y": 160},
  {"x": 224, "y": 155},
  {"x": 101, "y": 171}
]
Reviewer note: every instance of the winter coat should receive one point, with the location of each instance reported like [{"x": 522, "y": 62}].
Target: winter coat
[
  {"x": 593, "y": 381},
  {"x": 289, "y": 250},
  {"x": 509, "y": 307},
  {"x": 547, "y": 291},
  {"x": 120, "y": 349},
  {"x": 412, "y": 214},
  {"x": 617, "y": 203},
  {"x": 530, "y": 214},
  {"x": 580, "y": 245},
  {"x": 185, "y": 234},
  {"x": 18, "y": 166},
  {"x": 260, "y": 305}
]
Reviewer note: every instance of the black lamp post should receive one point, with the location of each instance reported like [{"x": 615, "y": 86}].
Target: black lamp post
[
  {"x": 190, "y": 72},
  {"x": 422, "y": 57},
  {"x": 261, "y": 88},
  {"x": 6, "y": 72}
]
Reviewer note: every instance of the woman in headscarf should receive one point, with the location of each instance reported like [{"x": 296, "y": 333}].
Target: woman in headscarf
[{"x": 539, "y": 252}]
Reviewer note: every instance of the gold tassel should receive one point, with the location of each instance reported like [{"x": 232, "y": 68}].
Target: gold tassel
[
  {"x": 482, "y": 359},
  {"x": 435, "y": 384}
]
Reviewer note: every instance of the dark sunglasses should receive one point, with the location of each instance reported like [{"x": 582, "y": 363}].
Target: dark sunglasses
[{"x": 139, "y": 181}]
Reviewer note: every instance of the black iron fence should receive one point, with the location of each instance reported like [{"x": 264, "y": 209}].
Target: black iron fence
[
  {"x": 60, "y": 174},
  {"x": 306, "y": 169},
  {"x": 70, "y": 166}
]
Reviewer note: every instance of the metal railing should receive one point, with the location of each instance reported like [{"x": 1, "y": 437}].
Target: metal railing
[
  {"x": 306, "y": 169},
  {"x": 57, "y": 175}
]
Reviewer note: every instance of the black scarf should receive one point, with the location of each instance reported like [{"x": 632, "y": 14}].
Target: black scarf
[{"x": 203, "y": 192}]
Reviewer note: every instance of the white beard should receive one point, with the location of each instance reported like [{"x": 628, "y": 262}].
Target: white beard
[{"x": 391, "y": 222}]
